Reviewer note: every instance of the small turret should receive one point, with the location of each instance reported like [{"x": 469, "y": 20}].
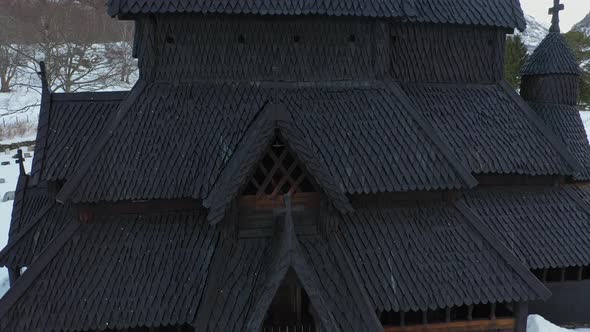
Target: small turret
[
  {"x": 551, "y": 85},
  {"x": 552, "y": 75}
]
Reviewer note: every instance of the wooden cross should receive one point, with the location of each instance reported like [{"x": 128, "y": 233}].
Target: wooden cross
[
  {"x": 557, "y": 7},
  {"x": 21, "y": 161},
  {"x": 289, "y": 208}
]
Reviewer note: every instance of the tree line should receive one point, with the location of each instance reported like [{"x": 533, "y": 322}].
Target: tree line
[
  {"x": 83, "y": 48},
  {"x": 517, "y": 55}
]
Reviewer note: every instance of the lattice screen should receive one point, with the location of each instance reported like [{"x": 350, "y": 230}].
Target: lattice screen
[{"x": 279, "y": 173}]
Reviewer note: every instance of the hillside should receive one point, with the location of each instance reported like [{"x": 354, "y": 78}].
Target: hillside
[
  {"x": 583, "y": 25},
  {"x": 534, "y": 33}
]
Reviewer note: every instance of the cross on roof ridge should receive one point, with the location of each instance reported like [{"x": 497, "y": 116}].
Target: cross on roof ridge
[{"x": 557, "y": 7}]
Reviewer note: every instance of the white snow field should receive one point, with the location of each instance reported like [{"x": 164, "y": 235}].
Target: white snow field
[{"x": 536, "y": 323}]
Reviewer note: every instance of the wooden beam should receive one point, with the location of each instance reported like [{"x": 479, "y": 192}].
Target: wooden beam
[
  {"x": 462, "y": 326},
  {"x": 521, "y": 313}
]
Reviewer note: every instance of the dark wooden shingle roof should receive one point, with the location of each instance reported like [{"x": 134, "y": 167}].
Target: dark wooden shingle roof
[
  {"x": 499, "y": 13},
  {"x": 552, "y": 56},
  {"x": 116, "y": 272},
  {"x": 68, "y": 128},
  {"x": 175, "y": 140},
  {"x": 429, "y": 257},
  {"x": 544, "y": 227},
  {"x": 36, "y": 220},
  {"x": 491, "y": 130}
]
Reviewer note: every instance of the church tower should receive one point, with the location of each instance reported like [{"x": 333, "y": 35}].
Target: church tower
[{"x": 551, "y": 86}]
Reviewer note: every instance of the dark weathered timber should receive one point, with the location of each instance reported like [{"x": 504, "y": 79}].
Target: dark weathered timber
[
  {"x": 158, "y": 262},
  {"x": 551, "y": 84},
  {"x": 552, "y": 57},
  {"x": 543, "y": 226},
  {"x": 567, "y": 305},
  {"x": 308, "y": 49},
  {"x": 418, "y": 186},
  {"x": 551, "y": 89},
  {"x": 506, "y": 324},
  {"x": 463, "y": 114},
  {"x": 384, "y": 243},
  {"x": 565, "y": 121},
  {"x": 498, "y": 13}
]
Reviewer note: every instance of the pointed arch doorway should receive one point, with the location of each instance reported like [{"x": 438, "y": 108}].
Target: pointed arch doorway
[{"x": 290, "y": 309}]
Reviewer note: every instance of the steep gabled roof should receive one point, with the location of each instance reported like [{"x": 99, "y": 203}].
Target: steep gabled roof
[
  {"x": 338, "y": 308},
  {"x": 498, "y": 13},
  {"x": 249, "y": 271},
  {"x": 175, "y": 140},
  {"x": 169, "y": 141},
  {"x": 269, "y": 123},
  {"x": 238, "y": 268},
  {"x": 432, "y": 256},
  {"x": 552, "y": 56},
  {"x": 544, "y": 227},
  {"x": 491, "y": 129},
  {"x": 69, "y": 124},
  {"x": 115, "y": 272}
]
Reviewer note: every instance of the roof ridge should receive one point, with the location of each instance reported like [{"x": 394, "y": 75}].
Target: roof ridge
[
  {"x": 90, "y": 96},
  {"x": 288, "y": 255},
  {"x": 90, "y": 155},
  {"x": 490, "y": 237},
  {"x": 258, "y": 133},
  {"x": 325, "y": 180},
  {"x": 498, "y": 13},
  {"x": 276, "y": 118},
  {"x": 555, "y": 142},
  {"x": 430, "y": 132},
  {"x": 222, "y": 250},
  {"x": 42, "y": 134}
]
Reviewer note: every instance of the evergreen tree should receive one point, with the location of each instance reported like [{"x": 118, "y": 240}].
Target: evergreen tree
[
  {"x": 516, "y": 56},
  {"x": 580, "y": 43}
]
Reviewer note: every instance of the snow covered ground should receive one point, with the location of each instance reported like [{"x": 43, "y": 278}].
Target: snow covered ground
[
  {"x": 537, "y": 323},
  {"x": 586, "y": 119}
]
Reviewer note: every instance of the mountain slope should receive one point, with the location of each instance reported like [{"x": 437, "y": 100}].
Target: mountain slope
[
  {"x": 534, "y": 33},
  {"x": 583, "y": 26}
]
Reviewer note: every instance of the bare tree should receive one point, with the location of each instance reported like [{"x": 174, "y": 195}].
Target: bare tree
[
  {"x": 11, "y": 55},
  {"x": 84, "y": 50},
  {"x": 65, "y": 39},
  {"x": 120, "y": 53}
]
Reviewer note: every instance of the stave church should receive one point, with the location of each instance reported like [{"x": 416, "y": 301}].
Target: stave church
[{"x": 309, "y": 165}]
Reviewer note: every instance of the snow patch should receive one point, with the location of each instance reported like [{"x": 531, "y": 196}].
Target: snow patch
[
  {"x": 18, "y": 139},
  {"x": 536, "y": 323},
  {"x": 585, "y": 115}
]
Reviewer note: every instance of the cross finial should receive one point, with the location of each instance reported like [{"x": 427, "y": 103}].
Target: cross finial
[{"x": 557, "y": 7}]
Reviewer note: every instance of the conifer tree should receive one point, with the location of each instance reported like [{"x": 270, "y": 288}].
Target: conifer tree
[
  {"x": 516, "y": 56},
  {"x": 580, "y": 43}
]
